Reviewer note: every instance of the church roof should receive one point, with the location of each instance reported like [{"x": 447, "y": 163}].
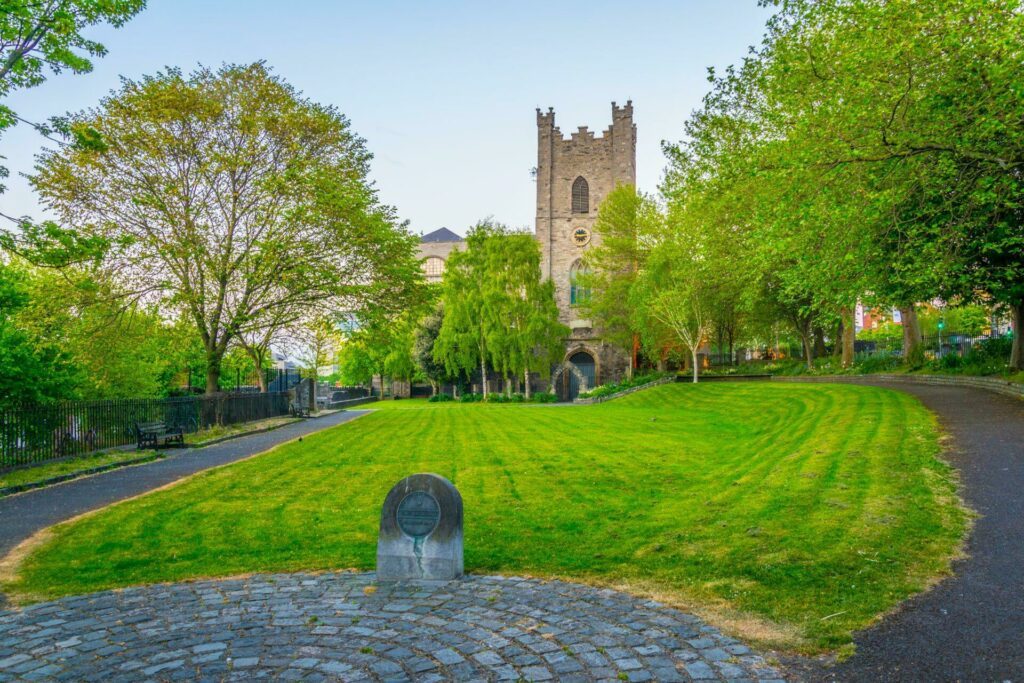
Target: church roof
[{"x": 441, "y": 235}]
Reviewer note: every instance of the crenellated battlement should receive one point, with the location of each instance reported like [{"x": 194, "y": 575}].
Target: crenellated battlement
[
  {"x": 624, "y": 112},
  {"x": 622, "y": 117}
]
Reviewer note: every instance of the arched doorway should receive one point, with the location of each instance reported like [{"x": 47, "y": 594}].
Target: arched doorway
[{"x": 569, "y": 385}]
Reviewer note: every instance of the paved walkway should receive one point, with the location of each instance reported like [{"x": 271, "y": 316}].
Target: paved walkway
[
  {"x": 339, "y": 626},
  {"x": 24, "y": 514},
  {"x": 970, "y": 627}
]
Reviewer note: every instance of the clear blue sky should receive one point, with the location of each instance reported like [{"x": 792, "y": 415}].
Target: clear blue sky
[{"x": 443, "y": 92}]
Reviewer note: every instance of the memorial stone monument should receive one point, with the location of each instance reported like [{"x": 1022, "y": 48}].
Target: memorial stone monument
[{"x": 420, "y": 531}]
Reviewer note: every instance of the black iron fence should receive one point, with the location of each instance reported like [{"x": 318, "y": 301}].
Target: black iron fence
[
  {"x": 236, "y": 380},
  {"x": 33, "y": 433},
  {"x": 937, "y": 346}
]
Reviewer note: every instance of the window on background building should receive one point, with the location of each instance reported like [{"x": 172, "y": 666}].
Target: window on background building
[
  {"x": 578, "y": 294},
  {"x": 580, "y": 196},
  {"x": 433, "y": 268}
]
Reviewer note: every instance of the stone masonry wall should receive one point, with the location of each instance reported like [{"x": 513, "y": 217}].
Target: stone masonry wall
[{"x": 605, "y": 162}]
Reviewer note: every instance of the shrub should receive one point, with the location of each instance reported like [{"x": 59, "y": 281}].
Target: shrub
[
  {"x": 544, "y": 397},
  {"x": 879, "y": 363},
  {"x": 470, "y": 398},
  {"x": 615, "y": 387},
  {"x": 994, "y": 349},
  {"x": 440, "y": 398}
]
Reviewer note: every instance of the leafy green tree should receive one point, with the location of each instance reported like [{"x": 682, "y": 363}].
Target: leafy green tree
[
  {"x": 628, "y": 225},
  {"x": 39, "y": 36},
  {"x": 463, "y": 342},
  {"x": 121, "y": 349},
  {"x": 424, "y": 338},
  {"x": 872, "y": 149},
  {"x": 228, "y": 198},
  {"x": 356, "y": 362},
  {"x": 498, "y": 313},
  {"x": 31, "y": 368},
  {"x": 672, "y": 293},
  {"x": 525, "y": 334}
]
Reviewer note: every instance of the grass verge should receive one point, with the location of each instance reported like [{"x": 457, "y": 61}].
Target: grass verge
[
  {"x": 83, "y": 464},
  {"x": 790, "y": 514},
  {"x": 219, "y": 433}
]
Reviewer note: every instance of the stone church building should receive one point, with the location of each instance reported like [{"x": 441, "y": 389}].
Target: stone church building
[{"x": 573, "y": 175}]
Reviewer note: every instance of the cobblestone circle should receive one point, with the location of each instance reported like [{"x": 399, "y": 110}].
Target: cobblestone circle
[{"x": 344, "y": 626}]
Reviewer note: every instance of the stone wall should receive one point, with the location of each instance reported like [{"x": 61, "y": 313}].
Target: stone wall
[
  {"x": 625, "y": 392},
  {"x": 604, "y": 162},
  {"x": 441, "y": 250}
]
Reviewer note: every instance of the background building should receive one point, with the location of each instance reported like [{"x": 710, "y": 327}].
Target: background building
[{"x": 573, "y": 175}]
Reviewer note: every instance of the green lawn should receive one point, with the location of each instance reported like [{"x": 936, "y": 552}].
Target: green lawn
[
  {"x": 49, "y": 470},
  {"x": 789, "y": 514}
]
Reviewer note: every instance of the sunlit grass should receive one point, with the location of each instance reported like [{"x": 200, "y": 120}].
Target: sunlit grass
[
  {"x": 792, "y": 514},
  {"x": 74, "y": 465}
]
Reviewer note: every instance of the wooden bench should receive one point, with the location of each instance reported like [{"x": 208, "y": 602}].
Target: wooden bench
[
  {"x": 150, "y": 434},
  {"x": 298, "y": 409}
]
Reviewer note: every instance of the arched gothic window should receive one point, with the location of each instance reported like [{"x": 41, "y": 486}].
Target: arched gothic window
[
  {"x": 580, "y": 196},
  {"x": 433, "y": 268},
  {"x": 578, "y": 292}
]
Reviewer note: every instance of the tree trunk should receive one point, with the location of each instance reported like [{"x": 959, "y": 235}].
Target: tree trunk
[
  {"x": 483, "y": 377},
  {"x": 1016, "y": 350},
  {"x": 807, "y": 338},
  {"x": 848, "y": 335},
  {"x": 212, "y": 374},
  {"x": 819, "y": 342},
  {"x": 257, "y": 360},
  {"x": 526, "y": 383},
  {"x": 693, "y": 355},
  {"x": 633, "y": 355},
  {"x": 913, "y": 350}
]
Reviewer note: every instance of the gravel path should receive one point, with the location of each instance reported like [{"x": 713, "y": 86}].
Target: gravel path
[{"x": 342, "y": 626}]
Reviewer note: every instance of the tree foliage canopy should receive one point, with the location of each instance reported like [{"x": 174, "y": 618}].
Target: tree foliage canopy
[{"x": 227, "y": 196}]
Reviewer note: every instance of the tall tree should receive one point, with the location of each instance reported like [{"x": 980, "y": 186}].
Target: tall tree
[
  {"x": 498, "y": 313},
  {"x": 424, "y": 338},
  {"x": 629, "y": 224},
  {"x": 672, "y": 293},
  {"x": 227, "y": 196},
  {"x": 464, "y": 340},
  {"x": 525, "y": 335}
]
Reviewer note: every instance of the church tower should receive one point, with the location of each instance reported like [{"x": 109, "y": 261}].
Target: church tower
[{"x": 573, "y": 176}]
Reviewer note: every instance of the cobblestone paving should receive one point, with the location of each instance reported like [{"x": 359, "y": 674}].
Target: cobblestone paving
[{"x": 343, "y": 626}]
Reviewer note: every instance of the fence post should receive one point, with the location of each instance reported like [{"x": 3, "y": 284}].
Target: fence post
[{"x": 312, "y": 391}]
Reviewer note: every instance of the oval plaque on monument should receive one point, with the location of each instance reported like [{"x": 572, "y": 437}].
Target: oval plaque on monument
[{"x": 420, "y": 531}]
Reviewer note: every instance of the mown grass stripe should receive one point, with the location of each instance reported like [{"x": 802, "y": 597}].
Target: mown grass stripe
[{"x": 786, "y": 502}]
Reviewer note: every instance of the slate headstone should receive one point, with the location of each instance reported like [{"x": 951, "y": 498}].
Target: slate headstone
[{"x": 420, "y": 531}]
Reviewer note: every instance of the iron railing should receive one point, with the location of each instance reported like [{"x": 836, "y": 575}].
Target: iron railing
[{"x": 36, "y": 433}]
